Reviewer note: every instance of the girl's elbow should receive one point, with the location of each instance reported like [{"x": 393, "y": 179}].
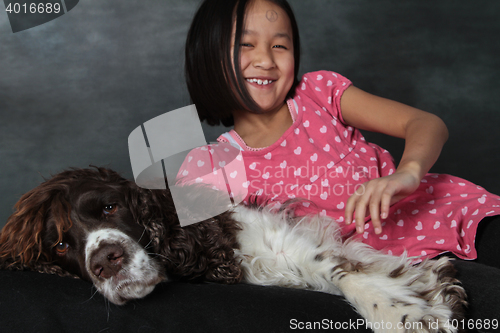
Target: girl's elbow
[
  {"x": 444, "y": 129},
  {"x": 441, "y": 127}
]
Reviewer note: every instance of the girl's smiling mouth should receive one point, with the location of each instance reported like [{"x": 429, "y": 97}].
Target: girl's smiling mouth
[{"x": 260, "y": 81}]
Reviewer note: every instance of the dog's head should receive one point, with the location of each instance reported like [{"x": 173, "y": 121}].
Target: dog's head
[{"x": 87, "y": 223}]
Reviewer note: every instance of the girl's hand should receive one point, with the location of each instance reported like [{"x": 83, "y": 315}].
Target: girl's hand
[
  {"x": 377, "y": 196},
  {"x": 424, "y": 135}
]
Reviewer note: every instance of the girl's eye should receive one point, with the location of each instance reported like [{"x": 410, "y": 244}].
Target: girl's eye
[
  {"x": 62, "y": 248},
  {"x": 109, "y": 209},
  {"x": 245, "y": 45},
  {"x": 280, "y": 47}
]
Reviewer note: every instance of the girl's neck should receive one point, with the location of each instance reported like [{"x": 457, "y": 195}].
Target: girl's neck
[{"x": 264, "y": 129}]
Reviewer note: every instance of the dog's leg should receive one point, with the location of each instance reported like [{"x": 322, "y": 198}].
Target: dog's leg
[
  {"x": 390, "y": 293},
  {"x": 407, "y": 299}
]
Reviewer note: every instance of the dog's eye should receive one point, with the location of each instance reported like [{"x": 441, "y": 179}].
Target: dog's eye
[
  {"x": 109, "y": 209},
  {"x": 62, "y": 248}
]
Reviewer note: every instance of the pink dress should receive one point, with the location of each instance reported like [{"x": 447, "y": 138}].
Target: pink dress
[{"x": 321, "y": 159}]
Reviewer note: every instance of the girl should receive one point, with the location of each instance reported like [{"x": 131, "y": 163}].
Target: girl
[{"x": 300, "y": 139}]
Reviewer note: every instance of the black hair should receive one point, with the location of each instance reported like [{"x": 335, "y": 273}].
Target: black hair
[{"x": 215, "y": 88}]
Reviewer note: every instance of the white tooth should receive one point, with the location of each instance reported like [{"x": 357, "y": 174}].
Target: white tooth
[
  {"x": 254, "y": 80},
  {"x": 259, "y": 82},
  {"x": 265, "y": 82}
]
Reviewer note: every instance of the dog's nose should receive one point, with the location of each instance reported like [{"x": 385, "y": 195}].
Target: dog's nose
[{"x": 107, "y": 261}]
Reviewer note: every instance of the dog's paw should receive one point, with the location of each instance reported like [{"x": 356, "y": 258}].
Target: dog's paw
[{"x": 412, "y": 314}]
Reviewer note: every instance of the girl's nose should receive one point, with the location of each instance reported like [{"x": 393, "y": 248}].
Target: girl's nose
[{"x": 263, "y": 59}]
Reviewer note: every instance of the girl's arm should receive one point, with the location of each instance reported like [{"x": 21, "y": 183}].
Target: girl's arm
[{"x": 424, "y": 134}]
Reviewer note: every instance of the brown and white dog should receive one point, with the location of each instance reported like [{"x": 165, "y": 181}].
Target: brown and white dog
[{"x": 96, "y": 225}]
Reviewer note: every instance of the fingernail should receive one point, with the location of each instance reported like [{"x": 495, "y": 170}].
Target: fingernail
[
  {"x": 383, "y": 215},
  {"x": 359, "y": 230},
  {"x": 378, "y": 230}
]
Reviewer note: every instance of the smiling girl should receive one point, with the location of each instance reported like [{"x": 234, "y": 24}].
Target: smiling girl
[{"x": 301, "y": 138}]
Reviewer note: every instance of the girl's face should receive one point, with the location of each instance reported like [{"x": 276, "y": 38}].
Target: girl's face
[{"x": 267, "y": 61}]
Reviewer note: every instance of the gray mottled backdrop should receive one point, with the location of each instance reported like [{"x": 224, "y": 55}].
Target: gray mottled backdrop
[{"x": 72, "y": 90}]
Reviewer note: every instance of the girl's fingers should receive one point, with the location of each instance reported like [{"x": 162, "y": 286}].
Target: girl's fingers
[
  {"x": 350, "y": 206},
  {"x": 360, "y": 216},
  {"x": 376, "y": 196},
  {"x": 375, "y": 211},
  {"x": 375, "y": 199},
  {"x": 362, "y": 204},
  {"x": 385, "y": 204}
]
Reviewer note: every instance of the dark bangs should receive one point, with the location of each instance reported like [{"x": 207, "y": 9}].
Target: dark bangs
[{"x": 215, "y": 88}]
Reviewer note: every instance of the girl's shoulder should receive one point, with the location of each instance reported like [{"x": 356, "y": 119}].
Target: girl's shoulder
[
  {"x": 321, "y": 90},
  {"x": 322, "y": 84},
  {"x": 325, "y": 77}
]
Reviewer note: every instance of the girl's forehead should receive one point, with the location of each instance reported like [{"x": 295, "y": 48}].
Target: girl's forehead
[
  {"x": 265, "y": 8},
  {"x": 264, "y": 12}
]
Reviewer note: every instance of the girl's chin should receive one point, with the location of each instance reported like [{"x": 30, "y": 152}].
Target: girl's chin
[
  {"x": 268, "y": 105},
  {"x": 268, "y": 108}
]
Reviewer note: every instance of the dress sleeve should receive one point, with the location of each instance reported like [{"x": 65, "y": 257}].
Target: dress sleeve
[{"x": 327, "y": 88}]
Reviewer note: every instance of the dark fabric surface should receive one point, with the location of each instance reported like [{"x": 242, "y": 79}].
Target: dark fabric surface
[
  {"x": 482, "y": 284},
  {"x": 34, "y": 302},
  {"x": 487, "y": 238}
]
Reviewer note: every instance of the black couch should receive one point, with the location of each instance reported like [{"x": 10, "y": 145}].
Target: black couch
[{"x": 74, "y": 88}]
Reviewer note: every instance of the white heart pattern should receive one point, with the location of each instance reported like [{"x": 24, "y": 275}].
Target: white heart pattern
[{"x": 482, "y": 200}]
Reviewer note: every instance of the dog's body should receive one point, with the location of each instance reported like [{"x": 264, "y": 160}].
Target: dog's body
[{"x": 98, "y": 226}]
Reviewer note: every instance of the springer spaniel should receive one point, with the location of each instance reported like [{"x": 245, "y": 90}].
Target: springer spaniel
[{"x": 96, "y": 225}]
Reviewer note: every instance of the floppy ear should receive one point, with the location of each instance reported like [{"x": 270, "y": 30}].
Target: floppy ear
[
  {"x": 203, "y": 250},
  {"x": 21, "y": 239},
  {"x": 150, "y": 209}
]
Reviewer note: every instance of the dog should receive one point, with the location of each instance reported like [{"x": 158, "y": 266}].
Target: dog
[{"x": 96, "y": 225}]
